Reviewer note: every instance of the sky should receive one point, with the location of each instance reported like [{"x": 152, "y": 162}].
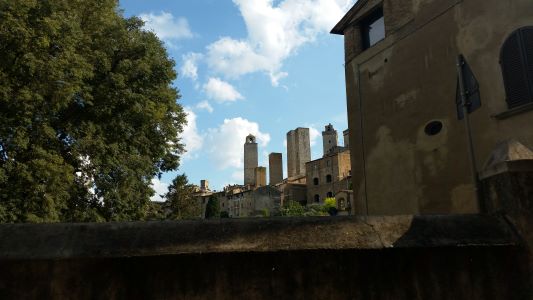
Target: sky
[{"x": 260, "y": 67}]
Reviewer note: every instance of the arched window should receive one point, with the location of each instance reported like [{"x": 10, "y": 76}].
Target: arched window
[
  {"x": 516, "y": 60},
  {"x": 315, "y": 181},
  {"x": 317, "y": 198},
  {"x": 328, "y": 178},
  {"x": 329, "y": 195}
]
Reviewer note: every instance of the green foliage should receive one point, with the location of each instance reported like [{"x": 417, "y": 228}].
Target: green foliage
[
  {"x": 181, "y": 201},
  {"x": 330, "y": 206},
  {"x": 224, "y": 214},
  {"x": 212, "y": 209},
  {"x": 88, "y": 114},
  {"x": 292, "y": 209},
  {"x": 295, "y": 209},
  {"x": 265, "y": 213}
]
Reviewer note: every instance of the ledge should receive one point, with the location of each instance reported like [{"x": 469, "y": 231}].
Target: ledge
[
  {"x": 58, "y": 241},
  {"x": 512, "y": 166},
  {"x": 514, "y": 111}
]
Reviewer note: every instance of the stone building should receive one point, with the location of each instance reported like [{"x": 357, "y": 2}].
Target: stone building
[
  {"x": 409, "y": 153},
  {"x": 328, "y": 175},
  {"x": 250, "y": 160},
  {"x": 293, "y": 189},
  {"x": 275, "y": 168},
  {"x": 298, "y": 151},
  {"x": 329, "y": 139},
  {"x": 243, "y": 201}
]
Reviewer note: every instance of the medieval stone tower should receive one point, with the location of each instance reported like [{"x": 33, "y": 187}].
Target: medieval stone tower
[
  {"x": 275, "y": 168},
  {"x": 329, "y": 139},
  {"x": 298, "y": 151},
  {"x": 250, "y": 159}
]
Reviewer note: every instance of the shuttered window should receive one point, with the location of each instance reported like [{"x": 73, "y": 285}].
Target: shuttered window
[{"x": 517, "y": 67}]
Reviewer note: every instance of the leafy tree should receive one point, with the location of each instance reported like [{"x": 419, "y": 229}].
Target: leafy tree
[
  {"x": 212, "y": 209},
  {"x": 88, "y": 114},
  {"x": 181, "y": 200}
]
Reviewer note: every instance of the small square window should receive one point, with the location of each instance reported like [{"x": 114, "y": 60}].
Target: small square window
[{"x": 373, "y": 28}]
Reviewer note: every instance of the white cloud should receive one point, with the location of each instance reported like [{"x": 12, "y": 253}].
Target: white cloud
[
  {"x": 205, "y": 105},
  {"x": 160, "y": 188},
  {"x": 226, "y": 143},
  {"x": 314, "y": 135},
  {"x": 166, "y": 26},
  {"x": 189, "y": 68},
  {"x": 221, "y": 91},
  {"x": 275, "y": 31},
  {"x": 191, "y": 138}
]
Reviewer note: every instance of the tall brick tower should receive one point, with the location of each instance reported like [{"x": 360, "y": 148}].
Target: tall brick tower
[
  {"x": 298, "y": 151},
  {"x": 275, "y": 168},
  {"x": 329, "y": 139},
  {"x": 250, "y": 159}
]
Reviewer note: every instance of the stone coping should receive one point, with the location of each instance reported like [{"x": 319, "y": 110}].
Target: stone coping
[{"x": 104, "y": 240}]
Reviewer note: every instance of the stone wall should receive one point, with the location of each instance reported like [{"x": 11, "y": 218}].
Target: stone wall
[{"x": 452, "y": 257}]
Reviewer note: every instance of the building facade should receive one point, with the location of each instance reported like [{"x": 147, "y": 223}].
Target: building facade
[
  {"x": 327, "y": 176},
  {"x": 409, "y": 151}
]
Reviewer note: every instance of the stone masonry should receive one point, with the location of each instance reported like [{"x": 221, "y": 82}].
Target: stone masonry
[
  {"x": 298, "y": 151},
  {"x": 250, "y": 159},
  {"x": 275, "y": 168},
  {"x": 329, "y": 139}
]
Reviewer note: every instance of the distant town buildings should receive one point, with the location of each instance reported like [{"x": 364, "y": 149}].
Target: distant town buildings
[{"x": 308, "y": 182}]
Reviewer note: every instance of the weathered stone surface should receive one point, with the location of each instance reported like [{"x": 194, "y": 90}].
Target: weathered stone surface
[
  {"x": 298, "y": 151},
  {"x": 62, "y": 241},
  {"x": 405, "y": 257},
  {"x": 275, "y": 168}
]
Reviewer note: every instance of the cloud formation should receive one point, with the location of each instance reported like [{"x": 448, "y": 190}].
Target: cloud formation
[
  {"x": 189, "y": 68},
  {"x": 275, "y": 31},
  {"x": 190, "y": 137},
  {"x": 166, "y": 26},
  {"x": 204, "y": 105},
  {"x": 221, "y": 91},
  {"x": 160, "y": 188},
  {"x": 225, "y": 144},
  {"x": 314, "y": 135}
]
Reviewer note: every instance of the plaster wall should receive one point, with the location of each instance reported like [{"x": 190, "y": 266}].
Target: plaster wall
[{"x": 407, "y": 80}]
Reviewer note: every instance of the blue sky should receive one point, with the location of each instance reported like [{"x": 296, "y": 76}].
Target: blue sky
[{"x": 249, "y": 66}]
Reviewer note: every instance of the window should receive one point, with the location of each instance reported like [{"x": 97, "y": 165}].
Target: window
[
  {"x": 373, "y": 28},
  {"x": 317, "y": 198},
  {"x": 315, "y": 181},
  {"x": 329, "y": 195},
  {"x": 516, "y": 60},
  {"x": 328, "y": 178}
]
